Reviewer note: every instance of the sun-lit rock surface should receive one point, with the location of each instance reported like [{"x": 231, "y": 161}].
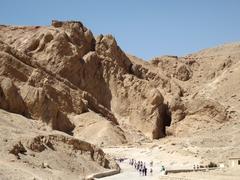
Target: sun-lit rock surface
[{"x": 67, "y": 80}]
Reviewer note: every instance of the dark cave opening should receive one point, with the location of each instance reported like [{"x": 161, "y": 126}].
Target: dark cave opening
[
  {"x": 167, "y": 115},
  {"x": 167, "y": 118},
  {"x": 164, "y": 120}
]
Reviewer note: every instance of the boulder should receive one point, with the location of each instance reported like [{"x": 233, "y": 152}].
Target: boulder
[
  {"x": 18, "y": 149},
  {"x": 106, "y": 46},
  {"x": 183, "y": 73},
  {"x": 10, "y": 99}
]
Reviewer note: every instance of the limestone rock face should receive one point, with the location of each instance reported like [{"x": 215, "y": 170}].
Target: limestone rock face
[
  {"x": 58, "y": 72},
  {"x": 105, "y": 132},
  {"x": 178, "y": 109},
  {"x": 106, "y": 46},
  {"x": 62, "y": 69},
  {"x": 198, "y": 89},
  {"x": 183, "y": 73},
  {"x": 61, "y": 79},
  {"x": 10, "y": 98}
]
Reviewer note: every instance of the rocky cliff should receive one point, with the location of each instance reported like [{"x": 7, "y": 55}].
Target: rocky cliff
[
  {"x": 50, "y": 73},
  {"x": 66, "y": 87},
  {"x": 61, "y": 74}
]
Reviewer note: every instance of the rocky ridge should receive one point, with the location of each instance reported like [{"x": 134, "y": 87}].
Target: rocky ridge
[
  {"x": 45, "y": 67},
  {"x": 86, "y": 86}
]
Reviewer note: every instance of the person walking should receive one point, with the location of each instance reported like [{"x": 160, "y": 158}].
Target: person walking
[
  {"x": 144, "y": 171},
  {"x": 151, "y": 164},
  {"x": 151, "y": 171},
  {"x": 140, "y": 171},
  {"x": 138, "y": 167}
]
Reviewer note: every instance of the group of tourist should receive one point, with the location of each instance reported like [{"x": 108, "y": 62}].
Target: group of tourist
[{"x": 141, "y": 167}]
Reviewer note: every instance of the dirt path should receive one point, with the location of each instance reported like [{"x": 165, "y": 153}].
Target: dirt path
[
  {"x": 146, "y": 155},
  {"x": 129, "y": 172}
]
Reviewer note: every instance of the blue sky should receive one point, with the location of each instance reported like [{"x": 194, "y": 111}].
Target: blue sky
[{"x": 145, "y": 28}]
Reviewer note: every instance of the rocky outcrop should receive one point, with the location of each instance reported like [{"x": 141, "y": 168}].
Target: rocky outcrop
[
  {"x": 62, "y": 70},
  {"x": 203, "y": 107},
  {"x": 183, "y": 73},
  {"x": 70, "y": 81},
  {"x": 106, "y": 46},
  {"x": 10, "y": 98},
  {"x": 18, "y": 149},
  {"x": 177, "y": 109},
  {"x": 41, "y": 143},
  {"x": 29, "y": 89},
  {"x": 95, "y": 129},
  {"x": 65, "y": 61}
]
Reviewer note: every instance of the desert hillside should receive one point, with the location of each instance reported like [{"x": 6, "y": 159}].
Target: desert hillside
[{"x": 62, "y": 90}]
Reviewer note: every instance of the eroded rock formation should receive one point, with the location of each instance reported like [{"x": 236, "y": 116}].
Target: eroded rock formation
[
  {"x": 87, "y": 87},
  {"x": 57, "y": 72},
  {"x": 63, "y": 69}
]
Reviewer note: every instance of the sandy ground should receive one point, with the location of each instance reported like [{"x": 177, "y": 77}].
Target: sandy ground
[
  {"x": 129, "y": 172},
  {"x": 170, "y": 161},
  {"x": 172, "y": 152},
  {"x": 158, "y": 156},
  {"x": 63, "y": 162},
  {"x": 148, "y": 154},
  {"x": 219, "y": 174}
]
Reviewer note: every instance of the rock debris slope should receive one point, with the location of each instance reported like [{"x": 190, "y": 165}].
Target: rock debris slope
[{"x": 31, "y": 151}]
